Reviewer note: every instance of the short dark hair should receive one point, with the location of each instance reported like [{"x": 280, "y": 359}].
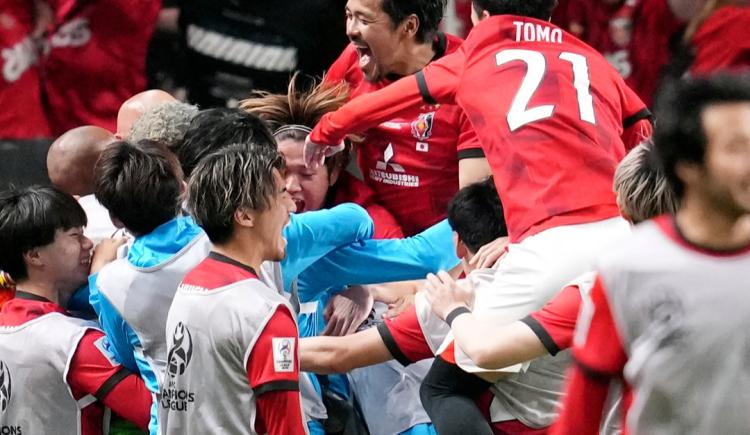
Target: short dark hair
[
  {"x": 476, "y": 214},
  {"x": 237, "y": 176},
  {"x": 539, "y": 9},
  {"x": 140, "y": 184},
  {"x": 29, "y": 219},
  {"x": 214, "y": 129},
  {"x": 429, "y": 13},
  {"x": 678, "y": 132}
]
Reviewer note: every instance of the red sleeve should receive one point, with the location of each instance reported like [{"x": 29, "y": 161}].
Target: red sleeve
[
  {"x": 273, "y": 374},
  {"x": 636, "y": 122},
  {"x": 599, "y": 357},
  {"x": 468, "y": 146},
  {"x": 441, "y": 78},
  {"x": 555, "y": 323},
  {"x": 93, "y": 370},
  {"x": 350, "y": 189},
  {"x": 404, "y": 338},
  {"x": 343, "y": 68}
]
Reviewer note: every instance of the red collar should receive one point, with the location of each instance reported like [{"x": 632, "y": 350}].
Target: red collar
[
  {"x": 18, "y": 311},
  {"x": 668, "y": 225}
]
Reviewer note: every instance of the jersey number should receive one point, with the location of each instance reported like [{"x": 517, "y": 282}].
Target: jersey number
[{"x": 536, "y": 65}]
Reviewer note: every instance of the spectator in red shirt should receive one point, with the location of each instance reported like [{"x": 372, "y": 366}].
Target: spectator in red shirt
[
  {"x": 96, "y": 60},
  {"x": 57, "y": 373}
]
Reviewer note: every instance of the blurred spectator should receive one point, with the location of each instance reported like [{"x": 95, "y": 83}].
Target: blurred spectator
[
  {"x": 20, "y": 88},
  {"x": 234, "y": 47},
  {"x": 718, "y": 37},
  {"x": 96, "y": 60}
]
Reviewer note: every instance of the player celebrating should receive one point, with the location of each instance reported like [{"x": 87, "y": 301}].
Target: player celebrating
[
  {"x": 57, "y": 373},
  {"x": 416, "y": 157},
  {"x": 232, "y": 362},
  {"x": 553, "y": 144},
  {"x": 655, "y": 303}
]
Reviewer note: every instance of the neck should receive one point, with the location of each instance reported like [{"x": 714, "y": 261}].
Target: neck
[
  {"x": 242, "y": 249},
  {"x": 45, "y": 289},
  {"x": 414, "y": 57},
  {"x": 712, "y": 227}
]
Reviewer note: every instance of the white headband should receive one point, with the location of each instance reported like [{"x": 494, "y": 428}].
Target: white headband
[{"x": 292, "y": 127}]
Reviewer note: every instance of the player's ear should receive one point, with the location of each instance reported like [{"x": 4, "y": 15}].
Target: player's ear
[
  {"x": 411, "y": 25},
  {"x": 244, "y": 217},
  {"x": 461, "y": 250}
]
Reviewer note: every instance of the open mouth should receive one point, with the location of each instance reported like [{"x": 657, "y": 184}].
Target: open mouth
[
  {"x": 365, "y": 55},
  {"x": 300, "y": 204}
]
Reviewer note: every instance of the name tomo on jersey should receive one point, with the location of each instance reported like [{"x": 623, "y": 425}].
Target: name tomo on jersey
[{"x": 534, "y": 32}]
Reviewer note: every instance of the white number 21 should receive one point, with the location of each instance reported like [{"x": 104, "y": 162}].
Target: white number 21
[{"x": 519, "y": 113}]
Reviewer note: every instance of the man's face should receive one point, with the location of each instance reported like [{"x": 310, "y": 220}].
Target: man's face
[
  {"x": 727, "y": 160},
  {"x": 67, "y": 259},
  {"x": 272, "y": 221},
  {"x": 374, "y": 36},
  {"x": 307, "y": 187}
]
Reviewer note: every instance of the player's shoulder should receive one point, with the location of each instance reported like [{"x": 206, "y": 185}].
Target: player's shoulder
[
  {"x": 650, "y": 246},
  {"x": 345, "y": 68}
]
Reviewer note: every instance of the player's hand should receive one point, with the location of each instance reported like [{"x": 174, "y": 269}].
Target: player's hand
[
  {"x": 399, "y": 306},
  {"x": 445, "y": 294},
  {"x": 347, "y": 310},
  {"x": 315, "y": 154},
  {"x": 489, "y": 254},
  {"x": 105, "y": 252}
]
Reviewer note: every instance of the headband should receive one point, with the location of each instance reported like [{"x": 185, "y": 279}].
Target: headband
[{"x": 292, "y": 127}]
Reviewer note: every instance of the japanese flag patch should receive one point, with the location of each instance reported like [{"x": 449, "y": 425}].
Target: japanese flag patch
[{"x": 283, "y": 354}]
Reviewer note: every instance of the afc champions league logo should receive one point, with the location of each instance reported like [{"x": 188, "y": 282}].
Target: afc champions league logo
[
  {"x": 285, "y": 349},
  {"x": 5, "y": 385},
  {"x": 180, "y": 352}
]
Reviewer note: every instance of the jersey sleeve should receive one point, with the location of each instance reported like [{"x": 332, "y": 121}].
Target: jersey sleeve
[
  {"x": 438, "y": 81},
  {"x": 468, "y": 145},
  {"x": 94, "y": 370},
  {"x": 404, "y": 338},
  {"x": 637, "y": 119},
  {"x": 312, "y": 235},
  {"x": 273, "y": 374},
  {"x": 376, "y": 261},
  {"x": 341, "y": 69},
  {"x": 599, "y": 356},
  {"x": 555, "y": 323},
  {"x": 120, "y": 335}
]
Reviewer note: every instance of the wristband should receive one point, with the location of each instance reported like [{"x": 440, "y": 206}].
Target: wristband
[{"x": 455, "y": 313}]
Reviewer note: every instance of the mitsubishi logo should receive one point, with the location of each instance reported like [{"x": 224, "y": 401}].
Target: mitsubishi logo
[{"x": 387, "y": 156}]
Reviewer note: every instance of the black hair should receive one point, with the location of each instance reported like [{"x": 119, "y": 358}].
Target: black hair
[
  {"x": 233, "y": 177},
  {"x": 140, "y": 184},
  {"x": 476, "y": 214},
  {"x": 214, "y": 129},
  {"x": 678, "y": 133},
  {"x": 429, "y": 13},
  {"x": 539, "y": 9},
  {"x": 29, "y": 218}
]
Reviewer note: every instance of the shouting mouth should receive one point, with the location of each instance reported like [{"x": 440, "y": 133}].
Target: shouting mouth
[{"x": 365, "y": 55}]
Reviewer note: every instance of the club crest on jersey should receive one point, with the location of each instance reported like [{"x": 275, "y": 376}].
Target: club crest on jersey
[
  {"x": 421, "y": 128},
  {"x": 180, "y": 352},
  {"x": 5, "y": 386},
  {"x": 283, "y": 354}
]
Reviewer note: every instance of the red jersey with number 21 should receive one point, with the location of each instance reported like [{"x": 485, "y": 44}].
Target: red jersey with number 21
[{"x": 549, "y": 111}]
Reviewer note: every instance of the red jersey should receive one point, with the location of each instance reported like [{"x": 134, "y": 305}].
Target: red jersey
[
  {"x": 555, "y": 323},
  {"x": 550, "y": 130},
  {"x": 411, "y": 161},
  {"x": 93, "y": 370},
  {"x": 20, "y": 88},
  {"x": 96, "y": 60},
  {"x": 721, "y": 41}
]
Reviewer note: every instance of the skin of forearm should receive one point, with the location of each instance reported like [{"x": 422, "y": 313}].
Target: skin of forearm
[{"x": 502, "y": 347}]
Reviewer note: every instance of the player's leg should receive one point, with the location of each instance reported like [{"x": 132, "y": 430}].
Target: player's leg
[{"x": 449, "y": 396}]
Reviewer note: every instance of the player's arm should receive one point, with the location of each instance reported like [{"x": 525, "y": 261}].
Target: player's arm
[
  {"x": 637, "y": 123},
  {"x": 274, "y": 378},
  {"x": 326, "y": 355},
  {"x": 599, "y": 357},
  {"x": 350, "y": 189},
  {"x": 472, "y": 164},
  {"x": 120, "y": 335},
  {"x": 312, "y": 235},
  {"x": 95, "y": 371},
  {"x": 436, "y": 83}
]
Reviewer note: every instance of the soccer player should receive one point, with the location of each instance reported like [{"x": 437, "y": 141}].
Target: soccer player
[
  {"x": 419, "y": 157},
  {"x": 671, "y": 303},
  {"x": 541, "y": 115},
  {"x": 232, "y": 363},
  {"x": 57, "y": 373}
]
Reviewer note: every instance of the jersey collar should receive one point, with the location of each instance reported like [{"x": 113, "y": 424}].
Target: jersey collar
[{"x": 224, "y": 259}]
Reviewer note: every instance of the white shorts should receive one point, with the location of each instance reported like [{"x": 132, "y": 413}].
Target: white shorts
[{"x": 534, "y": 271}]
